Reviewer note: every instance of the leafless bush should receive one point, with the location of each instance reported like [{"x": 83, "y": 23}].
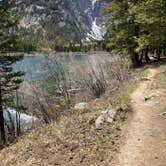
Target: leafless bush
[
  {"x": 95, "y": 78},
  {"x": 94, "y": 81},
  {"x": 44, "y": 105},
  {"x": 61, "y": 79},
  {"x": 117, "y": 70},
  {"x": 74, "y": 82}
]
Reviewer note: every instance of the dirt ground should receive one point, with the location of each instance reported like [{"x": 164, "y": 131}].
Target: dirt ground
[{"x": 143, "y": 137}]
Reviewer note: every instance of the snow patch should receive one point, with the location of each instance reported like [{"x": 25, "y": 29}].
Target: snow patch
[
  {"x": 24, "y": 118},
  {"x": 96, "y": 31},
  {"x": 93, "y": 3}
]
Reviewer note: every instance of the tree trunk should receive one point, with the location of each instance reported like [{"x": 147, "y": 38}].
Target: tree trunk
[
  {"x": 146, "y": 56},
  {"x": 164, "y": 52},
  {"x": 135, "y": 60},
  {"x": 18, "y": 127},
  {"x": 141, "y": 56},
  {"x": 158, "y": 55},
  {"x": 134, "y": 55},
  {"x": 2, "y": 126}
]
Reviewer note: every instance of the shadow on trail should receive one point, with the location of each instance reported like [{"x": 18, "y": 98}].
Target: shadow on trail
[{"x": 155, "y": 64}]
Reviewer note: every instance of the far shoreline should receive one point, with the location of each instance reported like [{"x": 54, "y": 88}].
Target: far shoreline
[
  {"x": 66, "y": 53},
  {"x": 49, "y": 53}
]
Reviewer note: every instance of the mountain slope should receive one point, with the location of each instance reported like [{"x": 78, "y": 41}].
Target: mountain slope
[{"x": 70, "y": 19}]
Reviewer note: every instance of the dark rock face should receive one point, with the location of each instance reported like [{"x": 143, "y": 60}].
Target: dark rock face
[
  {"x": 2, "y": 2},
  {"x": 75, "y": 19}
]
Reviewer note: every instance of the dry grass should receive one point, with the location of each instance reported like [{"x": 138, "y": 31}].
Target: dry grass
[
  {"x": 160, "y": 79},
  {"x": 159, "y": 87},
  {"x": 74, "y": 140}
]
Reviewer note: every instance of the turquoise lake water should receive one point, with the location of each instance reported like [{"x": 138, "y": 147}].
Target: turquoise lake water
[{"x": 37, "y": 67}]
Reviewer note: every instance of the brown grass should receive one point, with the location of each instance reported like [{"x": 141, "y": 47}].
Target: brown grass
[{"x": 74, "y": 140}]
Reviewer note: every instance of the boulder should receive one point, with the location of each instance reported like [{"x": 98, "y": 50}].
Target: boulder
[
  {"x": 106, "y": 116},
  {"x": 100, "y": 120},
  {"x": 109, "y": 115},
  {"x": 81, "y": 106}
]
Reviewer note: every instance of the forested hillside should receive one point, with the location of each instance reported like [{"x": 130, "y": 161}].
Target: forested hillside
[{"x": 60, "y": 22}]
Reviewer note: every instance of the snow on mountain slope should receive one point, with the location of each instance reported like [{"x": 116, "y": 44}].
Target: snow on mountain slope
[
  {"x": 96, "y": 32},
  {"x": 75, "y": 19},
  {"x": 92, "y": 10},
  {"x": 93, "y": 3}
]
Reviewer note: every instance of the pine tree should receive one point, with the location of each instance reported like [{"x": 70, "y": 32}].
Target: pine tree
[
  {"x": 136, "y": 28},
  {"x": 151, "y": 15},
  {"x": 9, "y": 79},
  {"x": 122, "y": 29}
]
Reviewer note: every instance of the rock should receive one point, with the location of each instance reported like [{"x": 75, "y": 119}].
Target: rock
[
  {"x": 123, "y": 107},
  {"x": 74, "y": 147},
  {"x": 163, "y": 114},
  {"x": 156, "y": 130},
  {"x": 81, "y": 106},
  {"x": 109, "y": 115},
  {"x": 100, "y": 120},
  {"x": 151, "y": 103},
  {"x": 97, "y": 100},
  {"x": 145, "y": 79},
  {"x": 149, "y": 96}
]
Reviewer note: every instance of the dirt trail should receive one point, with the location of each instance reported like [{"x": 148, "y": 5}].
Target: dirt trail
[{"x": 144, "y": 134}]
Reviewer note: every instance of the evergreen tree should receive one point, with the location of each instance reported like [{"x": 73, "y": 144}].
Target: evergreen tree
[
  {"x": 136, "y": 28},
  {"x": 9, "y": 79},
  {"x": 122, "y": 29},
  {"x": 151, "y": 15}
]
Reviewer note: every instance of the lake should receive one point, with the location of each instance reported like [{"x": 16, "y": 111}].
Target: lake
[
  {"x": 37, "y": 67},
  {"x": 56, "y": 76}
]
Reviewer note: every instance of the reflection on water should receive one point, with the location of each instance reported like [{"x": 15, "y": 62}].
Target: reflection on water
[{"x": 39, "y": 66}]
